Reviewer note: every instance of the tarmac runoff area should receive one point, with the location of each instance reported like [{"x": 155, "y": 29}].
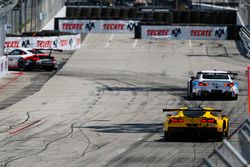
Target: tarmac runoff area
[{"x": 104, "y": 106}]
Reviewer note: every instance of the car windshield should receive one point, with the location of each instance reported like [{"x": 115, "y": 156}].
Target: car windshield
[
  {"x": 215, "y": 76},
  {"x": 36, "y": 51},
  {"x": 17, "y": 52},
  {"x": 193, "y": 113}
]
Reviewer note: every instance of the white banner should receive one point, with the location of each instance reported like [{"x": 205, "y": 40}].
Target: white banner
[
  {"x": 184, "y": 32},
  {"x": 64, "y": 42},
  {"x": 97, "y": 26}
]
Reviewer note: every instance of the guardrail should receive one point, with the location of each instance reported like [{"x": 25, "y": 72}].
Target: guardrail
[
  {"x": 245, "y": 37},
  {"x": 244, "y": 138},
  {"x": 227, "y": 155}
]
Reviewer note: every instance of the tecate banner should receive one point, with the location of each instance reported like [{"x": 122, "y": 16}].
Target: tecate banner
[
  {"x": 97, "y": 26},
  {"x": 184, "y": 32},
  {"x": 64, "y": 42}
]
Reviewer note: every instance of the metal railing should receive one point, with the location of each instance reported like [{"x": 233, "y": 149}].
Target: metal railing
[
  {"x": 244, "y": 34},
  {"x": 244, "y": 138},
  {"x": 227, "y": 155}
]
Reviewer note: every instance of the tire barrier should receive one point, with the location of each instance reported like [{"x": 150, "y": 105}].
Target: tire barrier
[
  {"x": 148, "y": 16},
  {"x": 132, "y": 13},
  {"x": 158, "y": 16},
  {"x": 85, "y": 12},
  {"x": 171, "y": 17},
  {"x": 70, "y": 12},
  {"x": 124, "y": 13},
  {"x": 213, "y": 18},
  {"x": 204, "y": 17},
  {"x": 96, "y": 13},
  {"x": 115, "y": 13},
  {"x": 106, "y": 13},
  {"x": 185, "y": 17},
  {"x": 195, "y": 16},
  {"x": 176, "y": 17}
]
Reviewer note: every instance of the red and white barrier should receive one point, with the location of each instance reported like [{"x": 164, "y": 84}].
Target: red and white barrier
[
  {"x": 184, "y": 32},
  {"x": 97, "y": 26},
  {"x": 64, "y": 42}
]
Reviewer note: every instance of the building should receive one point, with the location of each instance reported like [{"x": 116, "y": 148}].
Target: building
[{"x": 244, "y": 11}]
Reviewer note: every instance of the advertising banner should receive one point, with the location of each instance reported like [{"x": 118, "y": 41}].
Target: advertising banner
[
  {"x": 184, "y": 32},
  {"x": 64, "y": 42},
  {"x": 97, "y": 26}
]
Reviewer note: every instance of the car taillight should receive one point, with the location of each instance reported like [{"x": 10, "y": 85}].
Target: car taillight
[
  {"x": 175, "y": 120},
  {"x": 203, "y": 84},
  {"x": 211, "y": 120},
  {"x": 229, "y": 84}
]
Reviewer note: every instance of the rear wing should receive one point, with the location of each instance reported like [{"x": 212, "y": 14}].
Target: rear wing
[
  {"x": 192, "y": 109},
  {"x": 228, "y": 72},
  {"x": 50, "y": 50}
]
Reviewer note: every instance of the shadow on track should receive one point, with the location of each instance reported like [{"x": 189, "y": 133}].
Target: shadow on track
[
  {"x": 189, "y": 139},
  {"x": 128, "y": 128}
]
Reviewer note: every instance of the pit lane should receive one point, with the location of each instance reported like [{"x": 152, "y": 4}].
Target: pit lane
[{"x": 104, "y": 107}]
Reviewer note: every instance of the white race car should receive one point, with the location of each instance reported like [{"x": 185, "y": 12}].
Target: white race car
[
  {"x": 26, "y": 58},
  {"x": 213, "y": 83}
]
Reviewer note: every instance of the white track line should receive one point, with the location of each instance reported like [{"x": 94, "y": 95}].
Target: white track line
[
  {"x": 85, "y": 40},
  {"x": 135, "y": 43},
  {"x": 190, "y": 43},
  {"x": 109, "y": 40}
]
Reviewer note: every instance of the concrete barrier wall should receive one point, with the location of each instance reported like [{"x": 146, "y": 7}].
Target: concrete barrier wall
[{"x": 3, "y": 66}]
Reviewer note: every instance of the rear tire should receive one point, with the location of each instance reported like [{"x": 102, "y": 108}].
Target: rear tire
[
  {"x": 21, "y": 64},
  {"x": 167, "y": 136},
  {"x": 49, "y": 69},
  {"x": 235, "y": 98},
  {"x": 220, "y": 136},
  {"x": 226, "y": 134},
  {"x": 194, "y": 97}
]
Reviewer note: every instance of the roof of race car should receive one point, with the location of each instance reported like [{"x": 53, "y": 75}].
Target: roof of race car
[
  {"x": 24, "y": 49},
  {"x": 213, "y": 71}
]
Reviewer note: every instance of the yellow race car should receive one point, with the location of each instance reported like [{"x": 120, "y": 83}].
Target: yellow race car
[{"x": 196, "y": 122}]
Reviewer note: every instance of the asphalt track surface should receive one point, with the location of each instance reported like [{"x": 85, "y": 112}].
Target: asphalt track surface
[{"x": 104, "y": 107}]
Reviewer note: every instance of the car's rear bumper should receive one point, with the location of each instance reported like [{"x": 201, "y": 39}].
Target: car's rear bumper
[
  {"x": 193, "y": 132},
  {"x": 215, "y": 93}
]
